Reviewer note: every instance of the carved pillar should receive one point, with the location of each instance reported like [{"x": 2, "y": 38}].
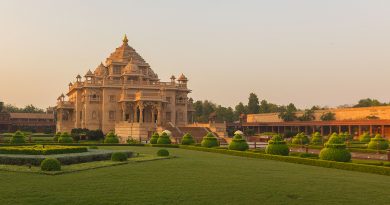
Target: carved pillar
[
  {"x": 135, "y": 117},
  {"x": 159, "y": 115},
  {"x": 141, "y": 110},
  {"x": 124, "y": 111},
  {"x": 153, "y": 112}
]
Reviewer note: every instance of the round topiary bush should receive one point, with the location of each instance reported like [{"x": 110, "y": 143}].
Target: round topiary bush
[
  {"x": 209, "y": 141},
  {"x": 18, "y": 138},
  {"x": 238, "y": 143},
  {"x": 162, "y": 153},
  {"x": 111, "y": 138},
  {"x": 50, "y": 164},
  {"x": 300, "y": 138},
  {"x": 277, "y": 146},
  {"x": 378, "y": 143},
  {"x": 365, "y": 137},
  {"x": 164, "y": 139},
  {"x": 345, "y": 136},
  {"x": 154, "y": 138},
  {"x": 119, "y": 156},
  {"x": 187, "y": 139},
  {"x": 65, "y": 138},
  {"x": 335, "y": 150},
  {"x": 316, "y": 139}
]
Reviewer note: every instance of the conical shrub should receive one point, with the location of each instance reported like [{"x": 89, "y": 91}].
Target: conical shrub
[
  {"x": 316, "y": 139},
  {"x": 18, "y": 138},
  {"x": 111, "y": 138},
  {"x": 209, "y": 141},
  {"x": 335, "y": 150},
  {"x": 277, "y": 146},
  {"x": 300, "y": 138},
  {"x": 238, "y": 143},
  {"x": 154, "y": 138},
  {"x": 187, "y": 139},
  {"x": 378, "y": 143},
  {"x": 164, "y": 139}
]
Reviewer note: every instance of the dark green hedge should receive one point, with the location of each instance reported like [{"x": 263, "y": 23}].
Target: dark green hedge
[
  {"x": 313, "y": 162},
  {"x": 119, "y": 157},
  {"x": 41, "y": 150},
  {"x": 65, "y": 160},
  {"x": 162, "y": 153},
  {"x": 50, "y": 164}
]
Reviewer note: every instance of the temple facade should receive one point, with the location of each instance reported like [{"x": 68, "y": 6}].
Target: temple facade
[{"x": 124, "y": 95}]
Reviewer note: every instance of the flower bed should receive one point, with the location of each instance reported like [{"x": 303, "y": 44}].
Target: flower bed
[{"x": 41, "y": 149}]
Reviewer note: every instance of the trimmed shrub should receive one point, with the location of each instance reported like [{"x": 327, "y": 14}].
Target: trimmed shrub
[
  {"x": 154, "y": 138},
  {"x": 187, "y": 139},
  {"x": 209, "y": 141},
  {"x": 56, "y": 136},
  {"x": 300, "y": 138},
  {"x": 93, "y": 147},
  {"x": 111, "y": 138},
  {"x": 335, "y": 150},
  {"x": 119, "y": 157},
  {"x": 18, "y": 138},
  {"x": 238, "y": 143},
  {"x": 164, "y": 139},
  {"x": 162, "y": 153},
  {"x": 316, "y": 139},
  {"x": 41, "y": 149},
  {"x": 50, "y": 164},
  {"x": 65, "y": 138},
  {"x": 277, "y": 146},
  {"x": 345, "y": 136},
  {"x": 378, "y": 143},
  {"x": 365, "y": 137}
]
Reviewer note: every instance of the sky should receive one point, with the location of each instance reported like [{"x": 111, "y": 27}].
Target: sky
[{"x": 308, "y": 52}]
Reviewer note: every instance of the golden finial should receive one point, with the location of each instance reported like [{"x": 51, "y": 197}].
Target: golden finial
[{"x": 125, "y": 40}]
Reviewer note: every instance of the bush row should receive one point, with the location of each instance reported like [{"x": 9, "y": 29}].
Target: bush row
[
  {"x": 41, "y": 150},
  {"x": 65, "y": 160},
  {"x": 298, "y": 160}
]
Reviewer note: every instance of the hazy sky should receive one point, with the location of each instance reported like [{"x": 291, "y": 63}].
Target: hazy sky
[{"x": 306, "y": 52}]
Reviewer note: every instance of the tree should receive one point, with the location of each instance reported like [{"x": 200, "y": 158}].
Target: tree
[
  {"x": 328, "y": 116},
  {"x": 1, "y": 106},
  {"x": 253, "y": 104},
  {"x": 368, "y": 102},
  {"x": 224, "y": 114},
  {"x": 288, "y": 113},
  {"x": 308, "y": 115},
  {"x": 26, "y": 109},
  {"x": 239, "y": 110}
]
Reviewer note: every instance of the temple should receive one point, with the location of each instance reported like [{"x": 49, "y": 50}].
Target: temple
[{"x": 124, "y": 95}]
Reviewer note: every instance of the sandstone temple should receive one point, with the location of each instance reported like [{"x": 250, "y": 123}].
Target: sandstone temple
[{"x": 125, "y": 95}]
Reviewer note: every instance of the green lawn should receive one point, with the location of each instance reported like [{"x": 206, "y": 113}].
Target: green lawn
[{"x": 197, "y": 178}]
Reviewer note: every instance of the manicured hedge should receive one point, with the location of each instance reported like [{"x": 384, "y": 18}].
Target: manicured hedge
[
  {"x": 313, "y": 162},
  {"x": 154, "y": 138},
  {"x": 238, "y": 143},
  {"x": 365, "y": 137},
  {"x": 50, "y": 164},
  {"x": 277, "y": 146},
  {"x": 164, "y": 139},
  {"x": 162, "y": 153},
  {"x": 41, "y": 150},
  {"x": 119, "y": 156},
  {"x": 18, "y": 138},
  {"x": 64, "y": 160},
  {"x": 209, "y": 140},
  {"x": 111, "y": 138},
  {"x": 335, "y": 150},
  {"x": 65, "y": 138},
  {"x": 162, "y": 145},
  {"x": 300, "y": 138},
  {"x": 187, "y": 139},
  {"x": 378, "y": 143},
  {"x": 316, "y": 139}
]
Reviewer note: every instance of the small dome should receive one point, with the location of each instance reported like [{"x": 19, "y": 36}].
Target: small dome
[
  {"x": 89, "y": 73},
  {"x": 78, "y": 76},
  {"x": 70, "y": 84},
  {"x": 173, "y": 77},
  {"x": 101, "y": 70},
  {"x": 182, "y": 78}
]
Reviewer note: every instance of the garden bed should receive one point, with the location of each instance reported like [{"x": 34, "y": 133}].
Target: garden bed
[
  {"x": 81, "y": 166},
  {"x": 65, "y": 159},
  {"x": 42, "y": 149}
]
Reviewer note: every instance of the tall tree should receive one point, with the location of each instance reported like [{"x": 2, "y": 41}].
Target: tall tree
[
  {"x": 288, "y": 113},
  {"x": 368, "y": 102},
  {"x": 253, "y": 104},
  {"x": 1, "y": 106}
]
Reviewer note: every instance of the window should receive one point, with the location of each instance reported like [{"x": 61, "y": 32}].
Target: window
[
  {"x": 111, "y": 115},
  {"x": 168, "y": 116},
  {"x": 112, "y": 98},
  {"x": 169, "y": 100},
  {"x": 117, "y": 70}
]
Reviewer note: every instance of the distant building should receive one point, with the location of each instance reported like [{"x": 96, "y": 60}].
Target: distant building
[
  {"x": 375, "y": 120},
  {"x": 35, "y": 122}
]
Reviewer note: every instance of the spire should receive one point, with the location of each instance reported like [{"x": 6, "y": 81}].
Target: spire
[{"x": 125, "y": 40}]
